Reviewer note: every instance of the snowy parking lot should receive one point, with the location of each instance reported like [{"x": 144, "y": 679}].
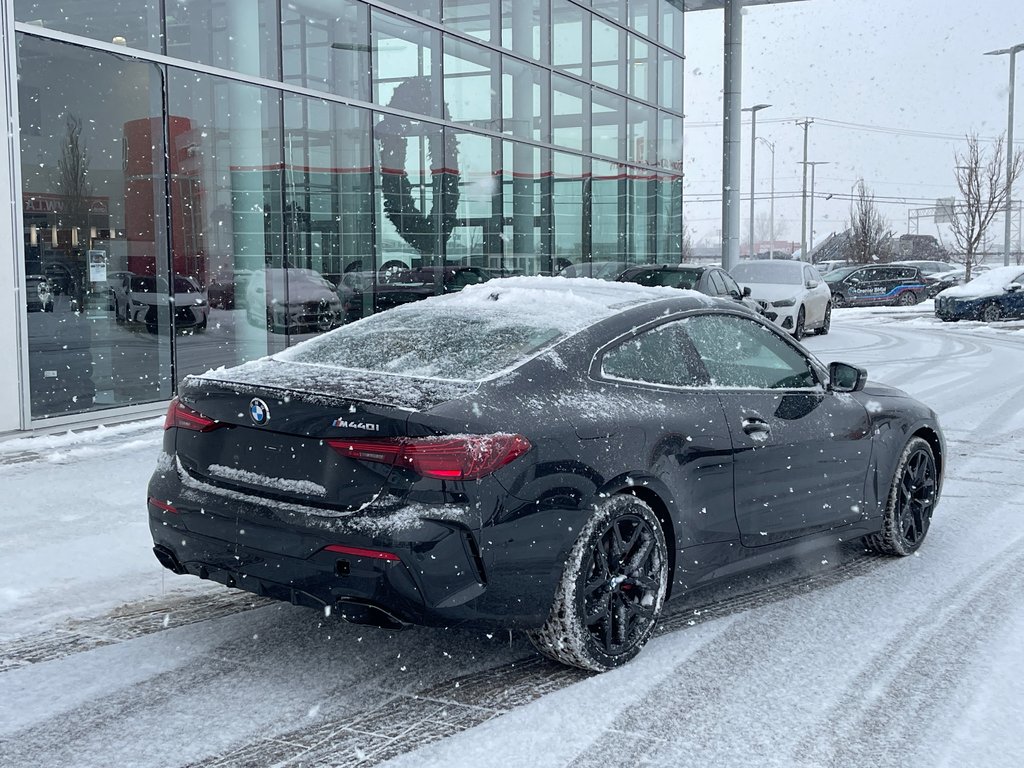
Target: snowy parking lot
[{"x": 841, "y": 659}]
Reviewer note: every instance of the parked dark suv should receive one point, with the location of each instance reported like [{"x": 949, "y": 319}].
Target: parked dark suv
[{"x": 877, "y": 284}]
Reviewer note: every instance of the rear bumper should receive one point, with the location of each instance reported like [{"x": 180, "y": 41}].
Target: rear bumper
[{"x": 446, "y": 570}]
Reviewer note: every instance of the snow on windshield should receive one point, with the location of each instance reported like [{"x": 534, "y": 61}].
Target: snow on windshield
[
  {"x": 474, "y": 334},
  {"x": 774, "y": 272},
  {"x": 987, "y": 283}
]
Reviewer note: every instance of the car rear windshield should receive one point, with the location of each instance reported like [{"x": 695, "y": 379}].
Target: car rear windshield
[
  {"x": 457, "y": 343},
  {"x": 779, "y": 273}
]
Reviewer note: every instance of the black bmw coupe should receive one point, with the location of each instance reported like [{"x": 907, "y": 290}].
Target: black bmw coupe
[{"x": 557, "y": 456}]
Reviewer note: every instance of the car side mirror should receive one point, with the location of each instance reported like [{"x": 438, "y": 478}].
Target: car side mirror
[
  {"x": 812, "y": 284},
  {"x": 1012, "y": 287},
  {"x": 746, "y": 290},
  {"x": 844, "y": 377}
]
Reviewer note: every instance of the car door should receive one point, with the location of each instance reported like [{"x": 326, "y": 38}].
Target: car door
[
  {"x": 800, "y": 452},
  {"x": 818, "y": 295},
  {"x": 654, "y": 373}
]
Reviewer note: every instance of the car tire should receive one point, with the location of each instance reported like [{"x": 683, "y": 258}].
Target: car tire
[
  {"x": 617, "y": 576},
  {"x": 908, "y": 510},
  {"x": 826, "y": 323},
  {"x": 801, "y": 324},
  {"x": 991, "y": 313},
  {"x": 906, "y": 299}
]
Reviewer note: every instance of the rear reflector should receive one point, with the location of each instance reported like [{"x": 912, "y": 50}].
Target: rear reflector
[
  {"x": 454, "y": 457},
  {"x": 180, "y": 415},
  {"x": 378, "y": 554},
  {"x": 162, "y": 505}
]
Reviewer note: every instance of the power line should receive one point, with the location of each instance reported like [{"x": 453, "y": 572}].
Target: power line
[{"x": 864, "y": 127}]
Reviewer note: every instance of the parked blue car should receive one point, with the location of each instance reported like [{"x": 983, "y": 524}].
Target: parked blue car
[{"x": 997, "y": 294}]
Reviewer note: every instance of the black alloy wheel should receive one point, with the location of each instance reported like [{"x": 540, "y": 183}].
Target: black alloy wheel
[
  {"x": 912, "y": 498},
  {"x": 838, "y": 300},
  {"x": 907, "y": 299},
  {"x": 612, "y": 590},
  {"x": 826, "y": 324},
  {"x": 801, "y": 323},
  {"x": 991, "y": 313}
]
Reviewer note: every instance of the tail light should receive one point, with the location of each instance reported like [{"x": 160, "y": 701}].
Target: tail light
[
  {"x": 180, "y": 415},
  {"x": 453, "y": 457}
]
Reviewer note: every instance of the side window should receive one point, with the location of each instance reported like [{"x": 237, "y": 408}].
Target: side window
[
  {"x": 906, "y": 273},
  {"x": 732, "y": 288},
  {"x": 659, "y": 356},
  {"x": 809, "y": 276},
  {"x": 744, "y": 354},
  {"x": 717, "y": 285}
]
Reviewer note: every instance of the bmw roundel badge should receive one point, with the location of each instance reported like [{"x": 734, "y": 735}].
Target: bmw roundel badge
[{"x": 259, "y": 412}]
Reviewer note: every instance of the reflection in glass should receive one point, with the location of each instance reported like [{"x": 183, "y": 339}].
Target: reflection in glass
[
  {"x": 670, "y": 31},
  {"x": 477, "y": 18},
  {"x": 608, "y": 132},
  {"x": 239, "y": 36},
  {"x": 93, "y": 204},
  {"x": 670, "y": 81},
  {"x": 640, "y": 133},
  {"x": 326, "y": 47},
  {"x": 642, "y": 17},
  {"x": 570, "y": 113},
  {"x": 522, "y": 203},
  {"x": 569, "y": 188},
  {"x": 471, "y": 84},
  {"x": 403, "y": 50},
  {"x": 225, "y": 149},
  {"x": 524, "y": 102},
  {"x": 607, "y": 52},
  {"x": 132, "y": 23},
  {"x": 608, "y": 213},
  {"x": 524, "y": 27},
  {"x": 642, "y": 70},
  {"x": 328, "y": 213},
  {"x": 477, "y": 240},
  {"x": 570, "y": 38},
  {"x": 418, "y": 169}
]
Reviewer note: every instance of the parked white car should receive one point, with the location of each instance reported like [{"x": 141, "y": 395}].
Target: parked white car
[
  {"x": 792, "y": 294},
  {"x": 141, "y": 299}
]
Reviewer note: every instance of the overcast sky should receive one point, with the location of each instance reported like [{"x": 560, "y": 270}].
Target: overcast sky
[{"x": 915, "y": 66}]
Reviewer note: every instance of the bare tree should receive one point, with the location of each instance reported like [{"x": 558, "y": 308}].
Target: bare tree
[
  {"x": 72, "y": 177},
  {"x": 870, "y": 234},
  {"x": 980, "y": 177},
  {"x": 685, "y": 245}
]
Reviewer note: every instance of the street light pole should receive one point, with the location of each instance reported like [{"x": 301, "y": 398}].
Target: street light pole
[
  {"x": 753, "y": 148},
  {"x": 771, "y": 210},
  {"x": 813, "y": 165},
  {"x": 807, "y": 122},
  {"x": 1009, "y": 145}
]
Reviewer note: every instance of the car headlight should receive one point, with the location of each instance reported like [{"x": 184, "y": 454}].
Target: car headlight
[{"x": 784, "y": 303}]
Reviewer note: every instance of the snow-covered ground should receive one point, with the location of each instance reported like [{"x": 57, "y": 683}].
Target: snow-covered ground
[{"x": 106, "y": 659}]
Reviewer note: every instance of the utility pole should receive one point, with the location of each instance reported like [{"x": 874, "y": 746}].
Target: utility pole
[
  {"x": 1009, "y": 145},
  {"x": 771, "y": 210},
  {"x": 803, "y": 208},
  {"x": 813, "y": 164},
  {"x": 753, "y": 151}
]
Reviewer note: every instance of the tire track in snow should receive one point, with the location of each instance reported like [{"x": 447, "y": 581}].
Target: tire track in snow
[
  {"x": 883, "y": 718},
  {"x": 124, "y": 623},
  {"x": 409, "y": 721}
]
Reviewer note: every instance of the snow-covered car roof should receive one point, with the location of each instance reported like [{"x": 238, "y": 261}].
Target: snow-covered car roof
[
  {"x": 478, "y": 332},
  {"x": 987, "y": 284}
]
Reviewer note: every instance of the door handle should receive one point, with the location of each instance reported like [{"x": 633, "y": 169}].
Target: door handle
[{"x": 756, "y": 425}]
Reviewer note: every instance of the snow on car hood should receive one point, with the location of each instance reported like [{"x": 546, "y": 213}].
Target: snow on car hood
[
  {"x": 773, "y": 291},
  {"x": 990, "y": 283}
]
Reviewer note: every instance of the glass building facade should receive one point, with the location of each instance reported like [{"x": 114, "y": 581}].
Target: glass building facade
[{"x": 197, "y": 184}]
